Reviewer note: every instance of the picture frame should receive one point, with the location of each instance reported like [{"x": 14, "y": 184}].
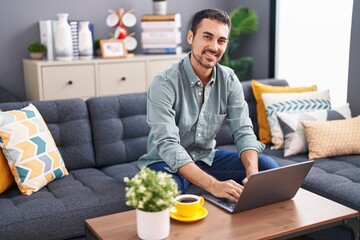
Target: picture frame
[{"x": 113, "y": 48}]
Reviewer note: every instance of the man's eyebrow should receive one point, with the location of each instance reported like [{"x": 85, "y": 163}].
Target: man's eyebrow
[{"x": 210, "y": 34}]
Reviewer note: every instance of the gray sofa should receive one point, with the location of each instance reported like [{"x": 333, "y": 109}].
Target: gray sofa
[{"x": 100, "y": 141}]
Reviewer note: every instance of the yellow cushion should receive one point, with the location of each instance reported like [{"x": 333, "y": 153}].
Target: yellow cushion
[
  {"x": 30, "y": 149},
  {"x": 258, "y": 89},
  {"x": 332, "y": 138},
  {"x": 6, "y": 178}
]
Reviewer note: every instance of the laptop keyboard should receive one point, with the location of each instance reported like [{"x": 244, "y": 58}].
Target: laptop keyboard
[{"x": 227, "y": 203}]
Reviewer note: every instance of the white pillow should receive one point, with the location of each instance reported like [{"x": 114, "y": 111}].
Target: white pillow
[
  {"x": 291, "y": 102},
  {"x": 294, "y": 135}
]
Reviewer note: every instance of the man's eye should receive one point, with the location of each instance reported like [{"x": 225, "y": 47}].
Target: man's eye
[
  {"x": 222, "y": 42},
  {"x": 207, "y": 37}
]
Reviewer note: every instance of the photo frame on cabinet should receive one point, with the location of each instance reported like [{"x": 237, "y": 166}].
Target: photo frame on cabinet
[{"x": 113, "y": 48}]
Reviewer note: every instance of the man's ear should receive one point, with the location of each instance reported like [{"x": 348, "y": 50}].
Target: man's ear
[{"x": 190, "y": 36}]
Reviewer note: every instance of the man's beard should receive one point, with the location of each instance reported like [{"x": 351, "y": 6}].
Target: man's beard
[{"x": 204, "y": 62}]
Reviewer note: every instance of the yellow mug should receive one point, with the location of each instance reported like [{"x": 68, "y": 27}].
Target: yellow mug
[{"x": 188, "y": 204}]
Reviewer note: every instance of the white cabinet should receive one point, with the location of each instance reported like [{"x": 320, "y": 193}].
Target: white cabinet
[
  {"x": 117, "y": 78},
  {"x": 49, "y": 80}
]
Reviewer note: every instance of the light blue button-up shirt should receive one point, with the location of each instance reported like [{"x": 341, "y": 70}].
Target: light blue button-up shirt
[{"x": 183, "y": 122}]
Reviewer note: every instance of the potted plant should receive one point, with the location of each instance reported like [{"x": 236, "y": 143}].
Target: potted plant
[
  {"x": 151, "y": 194},
  {"x": 243, "y": 21},
  {"x": 160, "y": 7},
  {"x": 97, "y": 48},
  {"x": 37, "y": 50}
]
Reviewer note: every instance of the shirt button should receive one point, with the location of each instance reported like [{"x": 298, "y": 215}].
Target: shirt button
[
  {"x": 198, "y": 83},
  {"x": 194, "y": 155},
  {"x": 199, "y": 134},
  {"x": 199, "y": 93}
]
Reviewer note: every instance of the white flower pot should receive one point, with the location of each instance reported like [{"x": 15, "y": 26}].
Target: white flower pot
[
  {"x": 153, "y": 225},
  {"x": 160, "y": 7}
]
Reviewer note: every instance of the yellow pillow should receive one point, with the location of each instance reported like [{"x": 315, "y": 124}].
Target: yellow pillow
[
  {"x": 6, "y": 178},
  {"x": 258, "y": 89},
  {"x": 332, "y": 138}
]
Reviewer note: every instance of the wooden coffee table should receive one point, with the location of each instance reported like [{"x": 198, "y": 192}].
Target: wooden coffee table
[{"x": 306, "y": 212}]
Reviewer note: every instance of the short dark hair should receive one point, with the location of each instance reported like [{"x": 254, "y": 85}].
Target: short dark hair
[{"x": 213, "y": 14}]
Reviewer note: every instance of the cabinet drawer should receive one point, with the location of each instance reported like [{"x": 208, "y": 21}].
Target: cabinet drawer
[
  {"x": 120, "y": 78},
  {"x": 68, "y": 82}
]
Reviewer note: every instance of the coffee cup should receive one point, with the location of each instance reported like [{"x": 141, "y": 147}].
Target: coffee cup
[{"x": 187, "y": 205}]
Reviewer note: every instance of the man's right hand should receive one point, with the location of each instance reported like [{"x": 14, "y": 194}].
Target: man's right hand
[
  {"x": 227, "y": 189},
  {"x": 224, "y": 189}
]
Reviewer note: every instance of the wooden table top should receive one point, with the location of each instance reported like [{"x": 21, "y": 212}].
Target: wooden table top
[{"x": 304, "y": 212}]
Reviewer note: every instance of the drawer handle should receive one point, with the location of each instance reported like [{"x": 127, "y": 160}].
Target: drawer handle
[
  {"x": 70, "y": 82},
  {"x": 123, "y": 78}
]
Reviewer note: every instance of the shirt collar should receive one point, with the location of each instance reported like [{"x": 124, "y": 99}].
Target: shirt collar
[{"x": 193, "y": 79}]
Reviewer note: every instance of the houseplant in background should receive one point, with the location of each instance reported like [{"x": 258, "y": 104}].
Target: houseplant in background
[
  {"x": 37, "y": 50},
  {"x": 243, "y": 21},
  {"x": 151, "y": 194},
  {"x": 160, "y": 7}
]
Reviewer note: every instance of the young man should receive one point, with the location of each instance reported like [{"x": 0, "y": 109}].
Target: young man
[{"x": 187, "y": 104}]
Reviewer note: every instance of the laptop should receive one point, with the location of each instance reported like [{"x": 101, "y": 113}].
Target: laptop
[{"x": 266, "y": 187}]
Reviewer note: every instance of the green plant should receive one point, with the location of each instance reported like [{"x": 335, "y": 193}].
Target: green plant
[
  {"x": 97, "y": 43},
  {"x": 151, "y": 191},
  {"x": 243, "y": 21},
  {"x": 36, "y": 47}
]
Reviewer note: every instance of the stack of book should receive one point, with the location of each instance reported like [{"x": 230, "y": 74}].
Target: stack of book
[{"x": 161, "y": 34}]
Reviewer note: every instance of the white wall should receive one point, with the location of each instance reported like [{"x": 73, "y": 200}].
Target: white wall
[{"x": 312, "y": 44}]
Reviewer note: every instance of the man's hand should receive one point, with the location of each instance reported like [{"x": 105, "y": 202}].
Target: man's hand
[{"x": 226, "y": 189}]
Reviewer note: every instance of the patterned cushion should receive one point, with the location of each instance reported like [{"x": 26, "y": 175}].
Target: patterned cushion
[
  {"x": 31, "y": 152},
  {"x": 332, "y": 138},
  {"x": 258, "y": 89},
  {"x": 6, "y": 178},
  {"x": 294, "y": 136},
  {"x": 291, "y": 102}
]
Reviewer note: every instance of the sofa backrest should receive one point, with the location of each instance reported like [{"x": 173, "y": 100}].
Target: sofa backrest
[
  {"x": 119, "y": 128},
  {"x": 224, "y": 136},
  {"x": 68, "y": 122}
]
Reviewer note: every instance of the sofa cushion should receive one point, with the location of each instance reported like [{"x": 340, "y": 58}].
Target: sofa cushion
[
  {"x": 291, "y": 103},
  {"x": 293, "y": 131},
  {"x": 59, "y": 210},
  {"x": 68, "y": 122},
  {"x": 31, "y": 152},
  {"x": 258, "y": 89},
  {"x": 332, "y": 138},
  {"x": 342, "y": 172},
  {"x": 119, "y": 128}
]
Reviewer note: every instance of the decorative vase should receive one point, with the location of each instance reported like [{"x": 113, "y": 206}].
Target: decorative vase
[
  {"x": 85, "y": 41},
  {"x": 153, "y": 225},
  {"x": 63, "y": 39},
  {"x": 160, "y": 7}
]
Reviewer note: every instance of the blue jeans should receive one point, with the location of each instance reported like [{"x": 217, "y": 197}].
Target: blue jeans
[{"x": 226, "y": 165}]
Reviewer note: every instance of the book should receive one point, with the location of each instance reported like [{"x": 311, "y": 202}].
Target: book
[
  {"x": 160, "y": 25},
  {"x": 160, "y": 45},
  {"x": 163, "y": 50},
  {"x": 161, "y": 37},
  {"x": 46, "y": 38},
  {"x": 158, "y": 17}
]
